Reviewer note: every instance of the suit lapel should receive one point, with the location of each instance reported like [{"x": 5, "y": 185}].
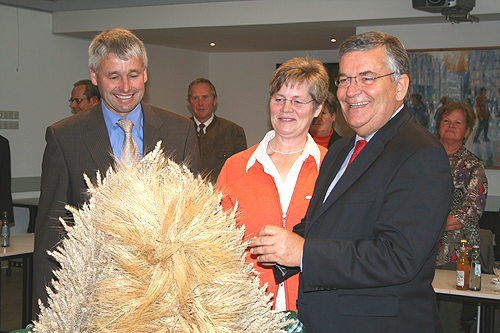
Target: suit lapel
[
  {"x": 152, "y": 132},
  {"x": 326, "y": 177},
  {"x": 97, "y": 139},
  {"x": 363, "y": 161}
]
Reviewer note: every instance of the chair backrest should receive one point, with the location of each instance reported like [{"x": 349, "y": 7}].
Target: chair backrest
[
  {"x": 487, "y": 251},
  {"x": 491, "y": 221}
]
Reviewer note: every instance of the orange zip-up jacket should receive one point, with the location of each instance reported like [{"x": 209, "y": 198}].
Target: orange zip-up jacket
[{"x": 259, "y": 205}]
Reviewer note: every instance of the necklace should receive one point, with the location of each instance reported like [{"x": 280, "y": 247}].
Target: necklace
[{"x": 281, "y": 152}]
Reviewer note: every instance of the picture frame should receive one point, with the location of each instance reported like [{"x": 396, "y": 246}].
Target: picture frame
[{"x": 460, "y": 74}]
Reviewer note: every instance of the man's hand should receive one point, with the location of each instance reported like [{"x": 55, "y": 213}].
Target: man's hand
[{"x": 276, "y": 245}]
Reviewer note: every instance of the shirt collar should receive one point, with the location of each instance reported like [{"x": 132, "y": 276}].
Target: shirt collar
[
  {"x": 206, "y": 123},
  {"x": 134, "y": 116},
  {"x": 260, "y": 154},
  {"x": 369, "y": 137}
]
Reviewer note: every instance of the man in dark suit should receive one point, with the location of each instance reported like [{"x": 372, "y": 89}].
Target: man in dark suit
[
  {"x": 367, "y": 245},
  {"x": 218, "y": 138},
  {"x": 5, "y": 181},
  {"x": 90, "y": 141}
]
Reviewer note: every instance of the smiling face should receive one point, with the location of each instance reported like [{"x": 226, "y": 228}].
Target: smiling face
[
  {"x": 289, "y": 121},
  {"x": 202, "y": 101},
  {"x": 367, "y": 108},
  {"x": 453, "y": 128},
  {"x": 120, "y": 82}
]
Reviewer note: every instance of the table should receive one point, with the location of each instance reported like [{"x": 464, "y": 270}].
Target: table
[
  {"x": 32, "y": 205},
  {"x": 21, "y": 246},
  {"x": 489, "y": 296}
]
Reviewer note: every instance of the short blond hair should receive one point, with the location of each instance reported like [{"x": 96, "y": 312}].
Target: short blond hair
[{"x": 298, "y": 71}]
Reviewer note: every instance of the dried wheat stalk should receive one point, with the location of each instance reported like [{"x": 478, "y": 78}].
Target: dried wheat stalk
[{"x": 153, "y": 252}]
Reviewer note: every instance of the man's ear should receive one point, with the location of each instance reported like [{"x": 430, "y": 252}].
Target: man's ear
[
  {"x": 402, "y": 87},
  {"x": 93, "y": 76},
  {"x": 318, "y": 111},
  {"x": 94, "y": 100}
]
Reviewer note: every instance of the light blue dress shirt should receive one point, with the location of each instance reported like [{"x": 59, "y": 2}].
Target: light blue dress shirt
[{"x": 116, "y": 134}]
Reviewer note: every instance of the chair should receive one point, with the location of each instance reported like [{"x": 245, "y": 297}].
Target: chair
[{"x": 487, "y": 250}]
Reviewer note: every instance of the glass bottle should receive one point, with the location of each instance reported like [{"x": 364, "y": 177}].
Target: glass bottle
[
  {"x": 5, "y": 234},
  {"x": 475, "y": 270},
  {"x": 463, "y": 268}
]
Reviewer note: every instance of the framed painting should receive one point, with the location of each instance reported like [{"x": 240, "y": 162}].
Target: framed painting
[{"x": 470, "y": 75}]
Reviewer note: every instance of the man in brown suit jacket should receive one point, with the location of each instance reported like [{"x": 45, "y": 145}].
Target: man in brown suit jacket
[
  {"x": 91, "y": 141},
  {"x": 218, "y": 138}
]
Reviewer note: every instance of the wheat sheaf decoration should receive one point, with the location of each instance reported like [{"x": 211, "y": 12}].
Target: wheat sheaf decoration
[{"x": 152, "y": 251}]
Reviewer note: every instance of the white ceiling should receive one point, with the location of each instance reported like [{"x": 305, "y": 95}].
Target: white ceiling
[
  {"x": 70, "y": 5},
  {"x": 285, "y": 35}
]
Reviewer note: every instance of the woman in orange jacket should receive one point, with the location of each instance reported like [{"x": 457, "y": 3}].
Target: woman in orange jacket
[{"x": 272, "y": 182}]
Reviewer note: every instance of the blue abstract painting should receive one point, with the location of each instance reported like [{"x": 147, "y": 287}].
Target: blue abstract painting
[{"x": 440, "y": 76}]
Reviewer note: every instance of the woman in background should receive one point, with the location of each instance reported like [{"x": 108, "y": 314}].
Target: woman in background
[
  {"x": 454, "y": 123},
  {"x": 272, "y": 182},
  {"x": 322, "y": 131}
]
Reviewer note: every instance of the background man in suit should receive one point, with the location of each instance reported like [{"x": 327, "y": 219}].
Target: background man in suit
[
  {"x": 90, "y": 141},
  {"x": 367, "y": 245},
  {"x": 84, "y": 95},
  {"x": 218, "y": 138},
  {"x": 5, "y": 181}
]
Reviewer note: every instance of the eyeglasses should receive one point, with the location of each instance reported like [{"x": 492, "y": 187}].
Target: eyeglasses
[
  {"x": 295, "y": 103},
  {"x": 77, "y": 100},
  {"x": 362, "y": 80}
]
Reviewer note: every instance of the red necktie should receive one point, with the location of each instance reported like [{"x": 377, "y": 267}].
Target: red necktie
[{"x": 359, "y": 145}]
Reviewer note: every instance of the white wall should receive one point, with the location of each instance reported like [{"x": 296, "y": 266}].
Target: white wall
[
  {"x": 169, "y": 74},
  {"x": 242, "y": 81},
  {"x": 39, "y": 88}
]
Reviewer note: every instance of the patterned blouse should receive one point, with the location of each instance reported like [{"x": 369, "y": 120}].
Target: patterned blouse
[{"x": 469, "y": 199}]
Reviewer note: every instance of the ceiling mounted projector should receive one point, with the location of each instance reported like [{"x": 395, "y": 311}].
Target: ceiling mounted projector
[{"x": 455, "y": 11}]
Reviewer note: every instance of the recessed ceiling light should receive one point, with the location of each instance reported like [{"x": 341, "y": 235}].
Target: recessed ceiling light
[
  {"x": 333, "y": 40},
  {"x": 212, "y": 44}
]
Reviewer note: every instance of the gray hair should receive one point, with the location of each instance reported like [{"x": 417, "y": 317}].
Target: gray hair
[
  {"x": 120, "y": 42},
  {"x": 396, "y": 59},
  {"x": 202, "y": 80},
  {"x": 331, "y": 103}
]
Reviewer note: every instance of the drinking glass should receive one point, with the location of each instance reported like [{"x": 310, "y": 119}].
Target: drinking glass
[{"x": 496, "y": 269}]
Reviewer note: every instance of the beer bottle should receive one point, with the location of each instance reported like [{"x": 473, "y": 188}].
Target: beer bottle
[{"x": 463, "y": 268}]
